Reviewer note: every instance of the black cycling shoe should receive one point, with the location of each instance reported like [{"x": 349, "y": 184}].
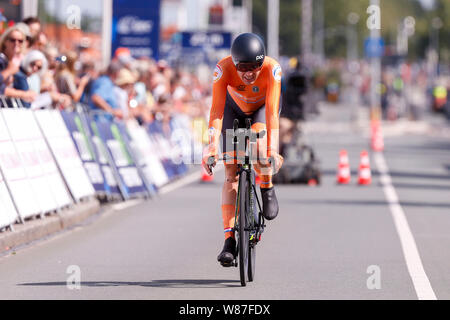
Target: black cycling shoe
[
  {"x": 270, "y": 203},
  {"x": 226, "y": 257}
]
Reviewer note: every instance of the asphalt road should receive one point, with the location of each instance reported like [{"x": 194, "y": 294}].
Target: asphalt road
[{"x": 328, "y": 242}]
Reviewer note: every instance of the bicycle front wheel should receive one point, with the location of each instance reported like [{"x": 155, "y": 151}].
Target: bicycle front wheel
[
  {"x": 243, "y": 233},
  {"x": 252, "y": 220}
]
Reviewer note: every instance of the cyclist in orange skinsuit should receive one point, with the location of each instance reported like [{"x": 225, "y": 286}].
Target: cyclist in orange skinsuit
[{"x": 247, "y": 84}]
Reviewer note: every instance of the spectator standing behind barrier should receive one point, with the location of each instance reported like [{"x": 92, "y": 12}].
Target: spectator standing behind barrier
[
  {"x": 47, "y": 79},
  {"x": 65, "y": 77},
  {"x": 144, "y": 98},
  {"x": 164, "y": 114},
  {"x": 88, "y": 69},
  {"x": 25, "y": 29},
  {"x": 34, "y": 25},
  {"x": 124, "y": 91},
  {"x": 102, "y": 96},
  {"x": 33, "y": 63},
  {"x": 6, "y": 71},
  {"x": 12, "y": 47},
  {"x": 31, "y": 28},
  {"x": 159, "y": 86}
]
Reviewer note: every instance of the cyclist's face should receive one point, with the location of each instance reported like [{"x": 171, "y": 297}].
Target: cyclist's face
[{"x": 249, "y": 77}]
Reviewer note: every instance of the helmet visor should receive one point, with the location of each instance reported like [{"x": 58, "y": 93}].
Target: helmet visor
[{"x": 248, "y": 66}]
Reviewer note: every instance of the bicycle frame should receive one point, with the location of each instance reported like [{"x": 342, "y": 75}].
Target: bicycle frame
[
  {"x": 251, "y": 224},
  {"x": 247, "y": 166}
]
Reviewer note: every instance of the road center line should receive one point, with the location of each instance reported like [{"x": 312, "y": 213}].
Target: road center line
[{"x": 419, "y": 278}]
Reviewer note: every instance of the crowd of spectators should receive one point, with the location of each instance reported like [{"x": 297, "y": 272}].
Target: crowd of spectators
[{"x": 33, "y": 71}]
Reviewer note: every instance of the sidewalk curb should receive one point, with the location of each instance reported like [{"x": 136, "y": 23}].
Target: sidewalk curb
[{"x": 40, "y": 228}]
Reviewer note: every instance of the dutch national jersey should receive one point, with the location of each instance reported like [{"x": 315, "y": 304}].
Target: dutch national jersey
[{"x": 265, "y": 90}]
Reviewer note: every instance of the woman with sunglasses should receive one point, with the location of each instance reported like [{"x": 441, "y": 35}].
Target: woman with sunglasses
[
  {"x": 34, "y": 63},
  {"x": 12, "y": 46},
  {"x": 247, "y": 84}
]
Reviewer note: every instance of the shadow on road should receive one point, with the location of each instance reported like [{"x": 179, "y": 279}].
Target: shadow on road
[{"x": 175, "y": 283}]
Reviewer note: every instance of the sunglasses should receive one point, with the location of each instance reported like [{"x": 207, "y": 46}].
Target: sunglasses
[
  {"x": 248, "y": 66},
  {"x": 35, "y": 65},
  {"x": 15, "y": 40}
]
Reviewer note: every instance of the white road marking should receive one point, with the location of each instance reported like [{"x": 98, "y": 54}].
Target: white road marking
[{"x": 419, "y": 278}]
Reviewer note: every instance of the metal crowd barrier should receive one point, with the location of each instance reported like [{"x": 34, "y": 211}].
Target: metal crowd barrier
[{"x": 51, "y": 159}]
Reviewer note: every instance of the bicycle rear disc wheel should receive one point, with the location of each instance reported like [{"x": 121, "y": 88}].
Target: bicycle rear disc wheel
[{"x": 243, "y": 237}]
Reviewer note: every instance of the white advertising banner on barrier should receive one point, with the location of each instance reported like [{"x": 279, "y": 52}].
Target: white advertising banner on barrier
[
  {"x": 8, "y": 212},
  {"x": 66, "y": 155},
  {"x": 145, "y": 151},
  {"x": 31, "y": 147},
  {"x": 106, "y": 169},
  {"x": 15, "y": 174},
  {"x": 92, "y": 167},
  {"x": 56, "y": 182}
]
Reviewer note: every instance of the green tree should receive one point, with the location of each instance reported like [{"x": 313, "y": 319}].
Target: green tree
[
  {"x": 336, "y": 20},
  {"x": 289, "y": 24}
]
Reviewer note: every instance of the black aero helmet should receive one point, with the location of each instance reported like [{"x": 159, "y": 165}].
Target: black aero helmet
[{"x": 248, "y": 52}]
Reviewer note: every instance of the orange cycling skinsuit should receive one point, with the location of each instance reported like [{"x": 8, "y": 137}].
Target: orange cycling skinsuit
[
  {"x": 250, "y": 89},
  {"x": 265, "y": 91}
]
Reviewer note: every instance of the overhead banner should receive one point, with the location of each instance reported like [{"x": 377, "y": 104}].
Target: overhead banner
[
  {"x": 206, "y": 40},
  {"x": 135, "y": 25},
  {"x": 204, "y": 46}
]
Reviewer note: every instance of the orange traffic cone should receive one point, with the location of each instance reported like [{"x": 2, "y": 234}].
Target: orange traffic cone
[
  {"x": 343, "y": 176},
  {"x": 377, "y": 142},
  {"x": 206, "y": 177},
  {"x": 365, "y": 175}
]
